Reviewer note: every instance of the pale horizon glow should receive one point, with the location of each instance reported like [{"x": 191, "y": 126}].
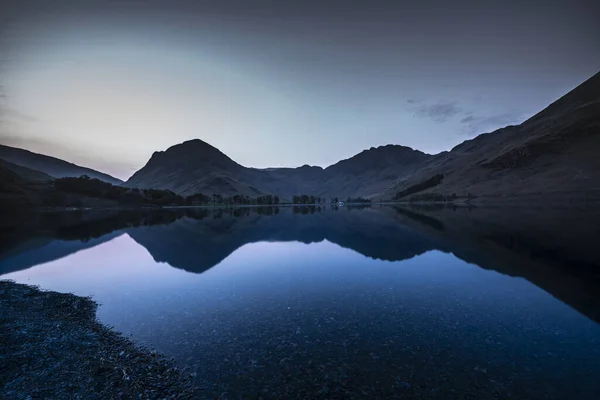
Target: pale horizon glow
[{"x": 272, "y": 86}]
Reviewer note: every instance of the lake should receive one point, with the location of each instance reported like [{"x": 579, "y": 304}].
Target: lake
[{"x": 322, "y": 302}]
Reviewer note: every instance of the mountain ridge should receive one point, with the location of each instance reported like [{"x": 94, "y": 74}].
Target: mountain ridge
[
  {"x": 213, "y": 171},
  {"x": 552, "y": 151},
  {"x": 55, "y": 167}
]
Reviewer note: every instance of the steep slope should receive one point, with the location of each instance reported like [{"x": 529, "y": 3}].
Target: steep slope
[
  {"x": 22, "y": 188},
  {"x": 24, "y": 172},
  {"x": 372, "y": 171},
  {"x": 52, "y": 166},
  {"x": 193, "y": 167},
  {"x": 20, "y": 185},
  {"x": 196, "y": 166},
  {"x": 554, "y": 152}
]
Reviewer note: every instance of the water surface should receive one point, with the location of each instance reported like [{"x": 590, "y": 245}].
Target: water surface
[{"x": 339, "y": 303}]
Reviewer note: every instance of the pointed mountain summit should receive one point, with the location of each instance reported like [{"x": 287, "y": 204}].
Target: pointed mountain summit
[
  {"x": 197, "y": 167},
  {"x": 554, "y": 151},
  {"x": 191, "y": 167}
]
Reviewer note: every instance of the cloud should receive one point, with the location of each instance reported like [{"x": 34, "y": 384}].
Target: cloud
[
  {"x": 439, "y": 112},
  {"x": 473, "y": 121},
  {"x": 488, "y": 123}
]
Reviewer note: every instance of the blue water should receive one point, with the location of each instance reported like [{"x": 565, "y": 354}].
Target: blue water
[{"x": 333, "y": 304}]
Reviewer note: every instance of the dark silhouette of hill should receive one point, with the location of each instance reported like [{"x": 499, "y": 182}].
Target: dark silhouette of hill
[
  {"x": 196, "y": 166},
  {"x": 24, "y": 172},
  {"x": 52, "y": 166},
  {"x": 21, "y": 186},
  {"x": 553, "y": 153}
]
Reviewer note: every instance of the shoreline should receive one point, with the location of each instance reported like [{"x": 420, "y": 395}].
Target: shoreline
[
  {"x": 556, "y": 198},
  {"x": 52, "y": 346}
]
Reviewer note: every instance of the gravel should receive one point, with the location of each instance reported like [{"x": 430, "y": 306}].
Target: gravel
[{"x": 52, "y": 346}]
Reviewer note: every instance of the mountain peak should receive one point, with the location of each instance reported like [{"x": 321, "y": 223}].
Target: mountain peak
[{"x": 190, "y": 149}]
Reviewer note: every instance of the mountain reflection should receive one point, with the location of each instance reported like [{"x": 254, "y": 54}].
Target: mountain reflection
[{"x": 555, "y": 249}]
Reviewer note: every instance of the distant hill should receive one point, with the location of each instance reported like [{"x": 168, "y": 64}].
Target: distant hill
[
  {"x": 52, "y": 166},
  {"x": 24, "y": 172},
  {"x": 192, "y": 167},
  {"x": 196, "y": 166},
  {"x": 372, "y": 171},
  {"x": 555, "y": 152},
  {"x": 22, "y": 187}
]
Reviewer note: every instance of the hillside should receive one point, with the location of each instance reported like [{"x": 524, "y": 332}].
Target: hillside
[
  {"x": 192, "y": 167},
  {"x": 372, "y": 171},
  {"x": 20, "y": 186},
  {"x": 196, "y": 166},
  {"x": 554, "y": 152},
  {"x": 24, "y": 172},
  {"x": 52, "y": 166},
  {"x": 551, "y": 155},
  {"x": 23, "y": 188}
]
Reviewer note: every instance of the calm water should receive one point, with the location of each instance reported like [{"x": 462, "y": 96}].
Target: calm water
[{"x": 339, "y": 303}]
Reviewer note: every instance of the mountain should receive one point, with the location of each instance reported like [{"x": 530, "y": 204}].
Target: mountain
[
  {"x": 23, "y": 173},
  {"x": 192, "y": 167},
  {"x": 552, "y": 154},
  {"x": 372, "y": 171},
  {"x": 20, "y": 185},
  {"x": 23, "y": 188},
  {"x": 52, "y": 166},
  {"x": 195, "y": 166}
]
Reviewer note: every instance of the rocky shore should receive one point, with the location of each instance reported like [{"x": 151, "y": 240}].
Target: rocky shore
[{"x": 52, "y": 346}]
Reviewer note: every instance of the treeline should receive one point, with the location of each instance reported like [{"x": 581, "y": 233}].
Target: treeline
[
  {"x": 360, "y": 200},
  {"x": 96, "y": 188},
  {"x": 439, "y": 197},
  {"x": 238, "y": 199},
  {"x": 306, "y": 199},
  {"x": 426, "y": 184},
  {"x": 93, "y": 187}
]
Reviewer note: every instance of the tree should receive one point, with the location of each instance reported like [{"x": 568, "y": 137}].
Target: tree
[{"x": 276, "y": 200}]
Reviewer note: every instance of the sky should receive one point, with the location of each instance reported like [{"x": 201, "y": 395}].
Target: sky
[{"x": 278, "y": 83}]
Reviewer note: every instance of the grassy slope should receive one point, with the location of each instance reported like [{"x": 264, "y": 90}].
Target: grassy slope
[{"x": 554, "y": 151}]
